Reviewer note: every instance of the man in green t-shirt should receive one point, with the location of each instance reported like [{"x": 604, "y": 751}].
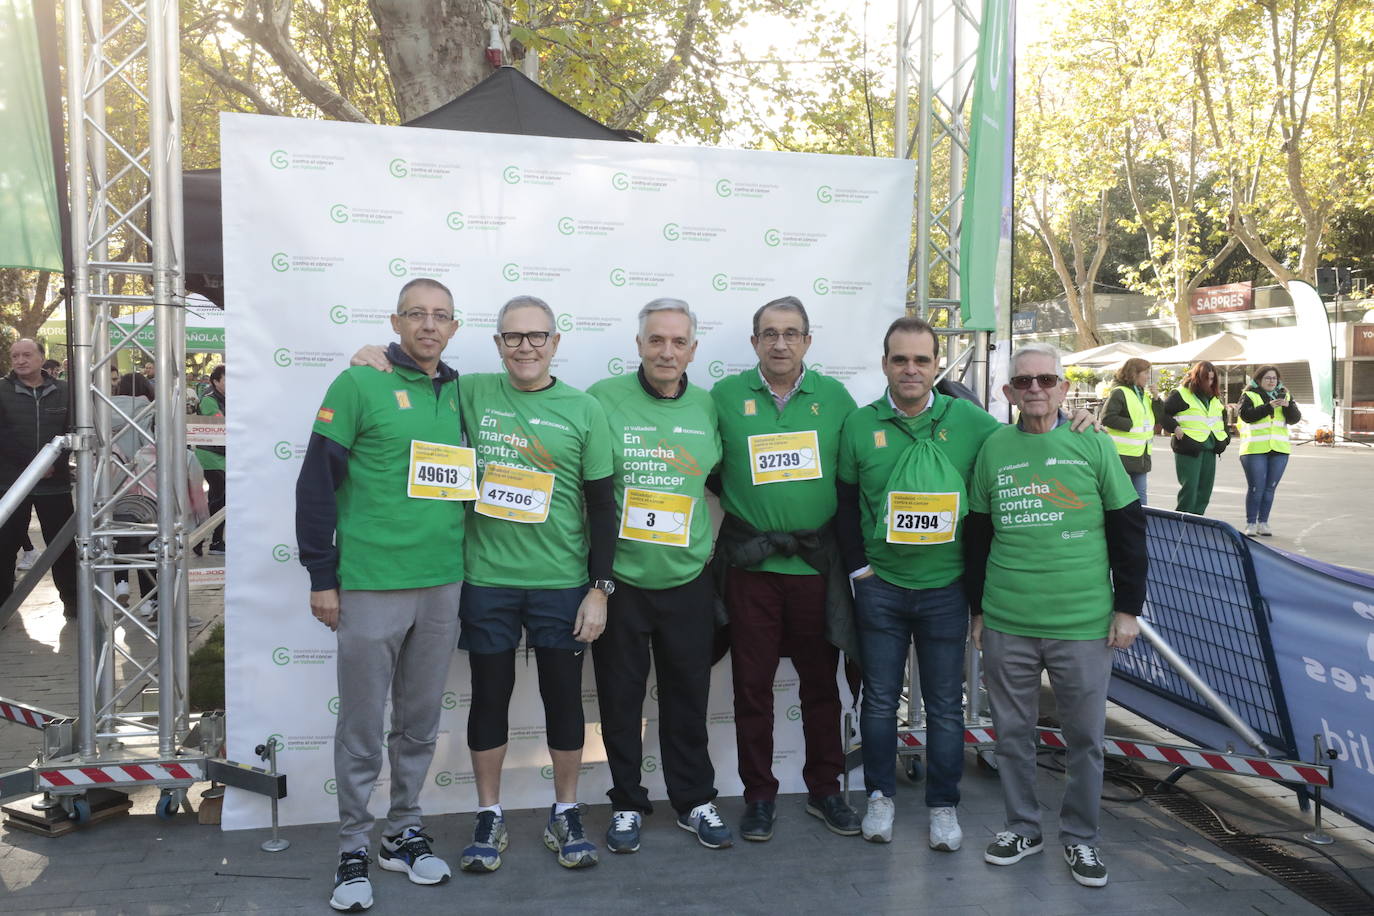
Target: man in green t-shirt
[
  {"x": 905, "y": 460},
  {"x": 385, "y": 572},
  {"x": 1056, "y": 577},
  {"x": 775, "y": 552},
  {"x": 665, "y": 442}
]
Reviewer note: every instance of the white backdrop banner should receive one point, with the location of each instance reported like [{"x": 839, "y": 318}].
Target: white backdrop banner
[{"x": 323, "y": 223}]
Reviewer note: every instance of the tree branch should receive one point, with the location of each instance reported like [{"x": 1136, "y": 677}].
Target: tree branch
[
  {"x": 659, "y": 83},
  {"x": 268, "y": 22},
  {"x": 230, "y": 81}
]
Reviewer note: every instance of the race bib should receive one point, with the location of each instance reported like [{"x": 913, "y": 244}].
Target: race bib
[
  {"x": 921, "y": 518},
  {"x": 515, "y": 494},
  {"x": 441, "y": 471},
  {"x": 658, "y": 518},
  {"x": 775, "y": 457}
]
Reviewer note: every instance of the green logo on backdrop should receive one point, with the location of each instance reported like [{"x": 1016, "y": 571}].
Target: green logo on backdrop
[
  {"x": 443, "y": 779},
  {"x": 333, "y": 706},
  {"x": 567, "y": 226},
  {"x": 331, "y": 787},
  {"x": 281, "y": 656},
  {"x": 399, "y": 168},
  {"x": 281, "y": 356},
  {"x": 617, "y": 276},
  {"x": 620, "y": 181},
  {"x": 449, "y": 700},
  {"x": 649, "y": 764},
  {"x": 397, "y": 267},
  {"x": 793, "y": 713},
  {"x": 772, "y": 238},
  {"x": 546, "y": 771},
  {"x": 511, "y": 272},
  {"x": 724, "y": 188},
  {"x": 511, "y": 174},
  {"x": 716, "y": 369},
  {"x": 670, "y": 232},
  {"x": 820, "y": 286},
  {"x": 338, "y": 213},
  {"x": 455, "y": 220},
  {"x": 276, "y": 742},
  {"x": 339, "y": 314},
  {"x": 279, "y": 159},
  {"x": 653, "y": 693},
  {"x": 281, "y": 553},
  {"x": 565, "y": 322},
  {"x": 615, "y": 366},
  {"x": 280, "y": 262},
  {"x": 282, "y": 450},
  {"x": 720, "y": 282},
  {"x": 825, "y": 194}
]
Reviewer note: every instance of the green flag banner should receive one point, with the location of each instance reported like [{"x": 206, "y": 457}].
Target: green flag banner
[
  {"x": 30, "y": 234},
  {"x": 985, "y": 236}
]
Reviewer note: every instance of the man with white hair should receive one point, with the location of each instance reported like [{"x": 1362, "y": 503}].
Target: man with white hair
[
  {"x": 1056, "y": 573},
  {"x": 665, "y": 442}
]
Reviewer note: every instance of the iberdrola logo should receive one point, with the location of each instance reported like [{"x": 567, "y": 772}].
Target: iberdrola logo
[{"x": 398, "y": 168}]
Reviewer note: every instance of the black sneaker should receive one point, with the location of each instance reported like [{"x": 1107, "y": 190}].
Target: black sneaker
[
  {"x": 352, "y": 889},
  {"x": 1086, "y": 865},
  {"x": 838, "y": 817},
  {"x": 758, "y": 820},
  {"x": 1010, "y": 848}
]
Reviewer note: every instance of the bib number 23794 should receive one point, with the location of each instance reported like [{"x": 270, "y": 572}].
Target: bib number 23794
[
  {"x": 515, "y": 494},
  {"x": 921, "y": 518}
]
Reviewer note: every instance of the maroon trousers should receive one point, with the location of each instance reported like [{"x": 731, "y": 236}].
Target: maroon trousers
[{"x": 772, "y": 616}]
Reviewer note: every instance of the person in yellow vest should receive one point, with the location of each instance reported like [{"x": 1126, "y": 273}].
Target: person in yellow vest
[
  {"x": 1266, "y": 411},
  {"x": 1130, "y": 415},
  {"x": 1195, "y": 416}
]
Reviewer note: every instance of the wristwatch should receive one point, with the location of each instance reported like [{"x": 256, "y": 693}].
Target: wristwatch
[{"x": 606, "y": 585}]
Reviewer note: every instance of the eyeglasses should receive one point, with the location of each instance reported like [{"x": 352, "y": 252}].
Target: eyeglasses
[
  {"x": 419, "y": 316},
  {"x": 513, "y": 339},
  {"x": 1023, "y": 382},
  {"x": 790, "y": 336}
]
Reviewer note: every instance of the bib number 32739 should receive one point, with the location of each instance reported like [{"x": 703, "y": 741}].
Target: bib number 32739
[
  {"x": 921, "y": 518},
  {"x": 515, "y": 494},
  {"x": 440, "y": 471},
  {"x": 776, "y": 457}
]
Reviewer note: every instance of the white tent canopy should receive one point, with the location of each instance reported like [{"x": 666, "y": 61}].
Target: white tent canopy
[
  {"x": 1109, "y": 354},
  {"x": 1224, "y": 347}
]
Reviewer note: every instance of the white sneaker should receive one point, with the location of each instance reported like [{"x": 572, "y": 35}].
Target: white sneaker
[
  {"x": 945, "y": 833},
  {"x": 122, "y": 592},
  {"x": 1264, "y": 530},
  {"x": 1251, "y": 530},
  {"x": 352, "y": 889},
  {"x": 27, "y": 558},
  {"x": 409, "y": 852},
  {"x": 877, "y": 824},
  {"x": 148, "y": 610}
]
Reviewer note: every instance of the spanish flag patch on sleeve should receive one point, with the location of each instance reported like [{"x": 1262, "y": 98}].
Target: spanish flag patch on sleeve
[{"x": 325, "y": 415}]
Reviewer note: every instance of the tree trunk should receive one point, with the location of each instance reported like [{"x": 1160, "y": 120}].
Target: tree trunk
[{"x": 435, "y": 49}]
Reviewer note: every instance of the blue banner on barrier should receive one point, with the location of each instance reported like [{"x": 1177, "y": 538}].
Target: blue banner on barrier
[{"x": 1322, "y": 627}]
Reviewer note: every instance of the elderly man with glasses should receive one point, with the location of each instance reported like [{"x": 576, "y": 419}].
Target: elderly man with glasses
[
  {"x": 1056, "y": 581},
  {"x": 384, "y": 545}
]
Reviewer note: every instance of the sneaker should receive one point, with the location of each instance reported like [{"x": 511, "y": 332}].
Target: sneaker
[
  {"x": 27, "y": 558},
  {"x": 352, "y": 890},
  {"x": 1086, "y": 865},
  {"x": 122, "y": 593},
  {"x": 945, "y": 834},
  {"x": 1251, "y": 530},
  {"x": 148, "y": 610},
  {"x": 408, "y": 851},
  {"x": 838, "y": 817},
  {"x": 704, "y": 821},
  {"x": 564, "y": 835},
  {"x": 1010, "y": 848},
  {"x": 623, "y": 834},
  {"x": 877, "y": 823},
  {"x": 1264, "y": 530},
  {"x": 488, "y": 842},
  {"x": 757, "y": 823},
  {"x": 217, "y": 550}
]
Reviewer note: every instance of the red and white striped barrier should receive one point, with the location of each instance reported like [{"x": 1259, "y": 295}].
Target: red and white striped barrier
[
  {"x": 125, "y": 773},
  {"x": 31, "y": 716},
  {"x": 1191, "y": 757}
]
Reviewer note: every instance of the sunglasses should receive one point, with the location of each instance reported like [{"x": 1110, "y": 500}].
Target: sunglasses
[{"x": 1023, "y": 382}]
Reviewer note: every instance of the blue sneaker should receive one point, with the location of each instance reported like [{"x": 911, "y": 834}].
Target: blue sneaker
[
  {"x": 705, "y": 822},
  {"x": 564, "y": 835},
  {"x": 409, "y": 852},
  {"x": 623, "y": 835},
  {"x": 488, "y": 842}
]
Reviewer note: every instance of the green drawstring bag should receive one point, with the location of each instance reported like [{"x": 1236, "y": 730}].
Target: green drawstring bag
[{"x": 925, "y": 498}]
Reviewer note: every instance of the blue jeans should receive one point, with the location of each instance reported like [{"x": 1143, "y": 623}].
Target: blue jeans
[
  {"x": 1138, "y": 481},
  {"x": 1263, "y": 473},
  {"x": 889, "y": 618}
]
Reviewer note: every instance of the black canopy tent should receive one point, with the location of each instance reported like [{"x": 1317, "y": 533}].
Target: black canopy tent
[{"x": 506, "y": 102}]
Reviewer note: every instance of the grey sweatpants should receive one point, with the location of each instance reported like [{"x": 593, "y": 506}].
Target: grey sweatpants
[
  {"x": 401, "y": 641},
  {"x": 1079, "y": 671}
]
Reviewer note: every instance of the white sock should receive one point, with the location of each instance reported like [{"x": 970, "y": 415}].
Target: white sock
[
  {"x": 495, "y": 809},
  {"x": 560, "y": 807},
  {"x": 876, "y": 793}
]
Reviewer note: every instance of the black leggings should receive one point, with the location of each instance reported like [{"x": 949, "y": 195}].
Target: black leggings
[{"x": 560, "y": 687}]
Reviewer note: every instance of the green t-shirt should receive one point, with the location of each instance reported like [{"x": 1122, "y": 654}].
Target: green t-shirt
[
  {"x": 559, "y": 430},
  {"x": 386, "y": 539},
  {"x": 666, "y": 446},
  {"x": 210, "y": 461},
  {"x": 1048, "y": 576},
  {"x": 745, "y": 408},
  {"x": 874, "y": 439}
]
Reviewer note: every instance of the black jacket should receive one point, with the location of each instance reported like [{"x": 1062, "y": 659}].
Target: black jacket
[
  {"x": 1191, "y": 448},
  {"x": 29, "y": 418}
]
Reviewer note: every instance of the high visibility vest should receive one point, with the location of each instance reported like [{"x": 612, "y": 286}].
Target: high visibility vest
[
  {"x": 1198, "y": 422},
  {"x": 1139, "y": 438},
  {"x": 1268, "y": 435}
]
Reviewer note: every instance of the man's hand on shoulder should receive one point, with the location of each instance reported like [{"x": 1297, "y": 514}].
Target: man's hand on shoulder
[
  {"x": 324, "y": 607},
  {"x": 372, "y": 355},
  {"x": 1083, "y": 419},
  {"x": 1125, "y": 628}
]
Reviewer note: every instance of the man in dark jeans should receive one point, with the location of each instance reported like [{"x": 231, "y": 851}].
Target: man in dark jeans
[{"x": 33, "y": 409}]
